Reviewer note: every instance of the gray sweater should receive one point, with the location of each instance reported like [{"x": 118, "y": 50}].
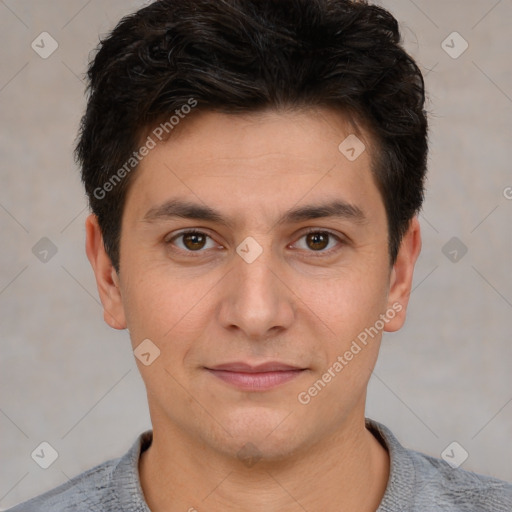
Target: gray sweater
[{"x": 417, "y": 483}]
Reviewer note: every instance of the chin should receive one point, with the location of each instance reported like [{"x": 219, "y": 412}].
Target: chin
[{"x": 261, "y": 434}]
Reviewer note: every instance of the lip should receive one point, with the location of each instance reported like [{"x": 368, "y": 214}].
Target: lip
[
  {"x": 256, "y": 378},
  {"x": 269, "y": 366}
]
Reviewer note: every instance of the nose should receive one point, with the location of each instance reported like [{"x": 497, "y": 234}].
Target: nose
[{"x": 256, "y": 298}]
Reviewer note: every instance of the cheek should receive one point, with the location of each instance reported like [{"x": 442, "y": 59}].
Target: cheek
[
  {"x": 344, "y": 304},
  {"x": 165, "y": 307},
  {"x": 349, "y": 333}
]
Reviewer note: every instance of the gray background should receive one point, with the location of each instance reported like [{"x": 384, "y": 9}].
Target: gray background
[{"x": 70, "y": 380}]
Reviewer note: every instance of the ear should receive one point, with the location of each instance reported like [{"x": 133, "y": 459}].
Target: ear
[
  {"x": 107, "y": 279},
  {"x": 400, "y": 284}
]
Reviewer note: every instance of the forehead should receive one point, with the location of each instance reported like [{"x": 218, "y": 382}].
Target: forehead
[
  {"x": 266, "y": 158},
  {"x": 257, "y": 134}
]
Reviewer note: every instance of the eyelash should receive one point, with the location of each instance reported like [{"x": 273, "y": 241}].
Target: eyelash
[{"x": 311, "y": 230}]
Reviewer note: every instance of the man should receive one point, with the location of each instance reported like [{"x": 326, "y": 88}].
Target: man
[{"x": 255, "y": 168}]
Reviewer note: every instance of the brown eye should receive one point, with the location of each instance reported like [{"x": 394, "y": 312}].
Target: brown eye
[
  {"x": 317, "y": 240},
  {"x": 322, "y": 242},
  {"x": 194, "y": 241},
  {"x": 191, "y": 241}
]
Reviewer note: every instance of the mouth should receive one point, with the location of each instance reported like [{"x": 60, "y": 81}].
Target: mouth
[{"x": 255, "y": 377}]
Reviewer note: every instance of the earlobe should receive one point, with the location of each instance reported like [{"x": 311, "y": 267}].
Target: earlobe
[
  {"x": 106, "y": 276},
  {"x": 402, "y": 274}
]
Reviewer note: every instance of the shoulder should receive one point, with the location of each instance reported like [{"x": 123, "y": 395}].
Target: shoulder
[
  {"x": 455, "y": 489},
  {"x": 111, "y": 486},
  {"x": 86, "y": 491},
  {"x": 422, "y": 483}
]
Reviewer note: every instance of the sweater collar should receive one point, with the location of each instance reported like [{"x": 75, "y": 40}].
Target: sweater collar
[{"x": 398, "y": 494}]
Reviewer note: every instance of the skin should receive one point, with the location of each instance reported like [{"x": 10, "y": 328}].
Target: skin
[{"x": 297, "y": 303}]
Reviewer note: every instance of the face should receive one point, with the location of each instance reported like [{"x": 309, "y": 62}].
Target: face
[{"x": 283, "y": 261}]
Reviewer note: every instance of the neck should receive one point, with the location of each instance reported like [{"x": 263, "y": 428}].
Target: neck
[{"x": 348, "y": 471}]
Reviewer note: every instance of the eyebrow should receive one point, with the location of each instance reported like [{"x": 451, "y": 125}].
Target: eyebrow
[{"x": 189, "y": 210}]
